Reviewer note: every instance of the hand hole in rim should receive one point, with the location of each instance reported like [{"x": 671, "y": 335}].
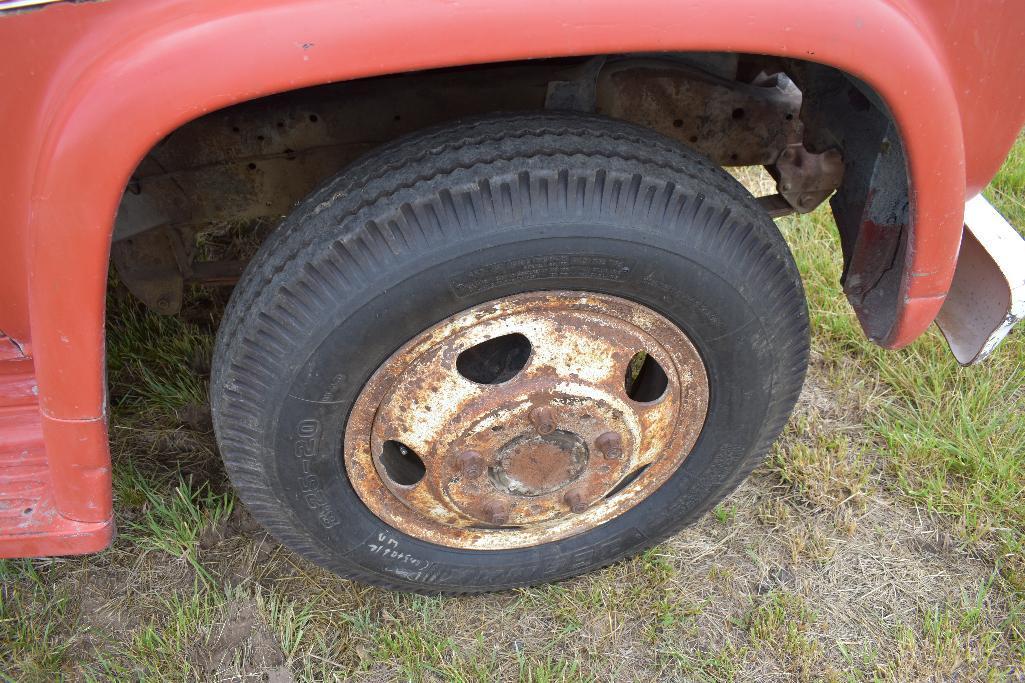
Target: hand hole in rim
[
  {"x": 496, "y": 360},
  {"x": 645, "y": 379},
  {"x": 402, "y": 465}
]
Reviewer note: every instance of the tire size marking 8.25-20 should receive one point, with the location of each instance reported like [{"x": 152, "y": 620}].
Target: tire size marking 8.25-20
[{"x": 308, "y": 436}]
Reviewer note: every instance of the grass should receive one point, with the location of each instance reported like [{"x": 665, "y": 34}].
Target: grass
[
  {"x": 31, "y": 616},
  {"x": 153, "y": 359},
  {"x": 952, "y": 436},
  {"x": 780, "y": 622},
  {"x": 881, "y": 540},
  {"x": 172, "y": 524}
]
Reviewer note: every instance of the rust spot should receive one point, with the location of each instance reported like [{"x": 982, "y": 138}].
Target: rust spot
[
  {"x": 610, "y": 444},
  {"x": 543, "y": 419},
  {"x": 471, "y": 464},
  {"x": 805, "y": 179},
  {"x": 732, "y": 123},
  {"x": 534, "y": 465},
  {"x": 576, "y": 501},
  {"x": 496, "y": 513}
]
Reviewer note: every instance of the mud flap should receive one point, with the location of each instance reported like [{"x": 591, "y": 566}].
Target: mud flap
[{"x": 987, "y": 296}]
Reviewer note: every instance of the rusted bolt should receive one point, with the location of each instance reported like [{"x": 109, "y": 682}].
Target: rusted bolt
[
  {"x": 470, "y": 463},
  {"x": 807, "y": 200},
  {"x": 788, "y": 154},
  {"x": 575, "y": 500},
  {"x": 610, "y": 444},
  {"x": 543, "y": 419},
  {"x": 496, "y": 513},
  {"x": 785, "y": 186}
]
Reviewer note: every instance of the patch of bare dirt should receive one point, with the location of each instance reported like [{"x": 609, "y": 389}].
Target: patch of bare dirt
[{"x": 242, "y": 647}]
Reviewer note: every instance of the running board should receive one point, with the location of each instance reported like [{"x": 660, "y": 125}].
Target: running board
[{"x": 30, "y": 524}]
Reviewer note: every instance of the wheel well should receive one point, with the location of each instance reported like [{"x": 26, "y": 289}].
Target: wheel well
[{"x": 200, "y": 200}]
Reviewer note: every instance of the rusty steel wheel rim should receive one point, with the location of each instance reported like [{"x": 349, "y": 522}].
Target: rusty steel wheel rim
[{"x": 516, "y": 447}]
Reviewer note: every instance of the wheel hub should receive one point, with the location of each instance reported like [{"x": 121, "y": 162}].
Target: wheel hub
[
  {"x": 527, "y": 419},
  {"x": 533, "y": 464}
]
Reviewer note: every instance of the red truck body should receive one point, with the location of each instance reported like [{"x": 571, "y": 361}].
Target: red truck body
[{"x": 89, "y": 88}]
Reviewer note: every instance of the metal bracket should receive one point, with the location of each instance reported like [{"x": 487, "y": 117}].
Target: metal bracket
[
  {"x": 806, "y": 179},
  {"x": 579, "y": 94},
  {"x": 156, "y": 265}
]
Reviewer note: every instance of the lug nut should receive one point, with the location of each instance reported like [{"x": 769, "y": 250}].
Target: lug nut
[
  {"x": 496, "y": 513},
  {"x": 610, "y": 444},
  {"x": 543, "y": 419},
  {"x": 471, "y": 464},
  {"x": 575, "y": 501}
]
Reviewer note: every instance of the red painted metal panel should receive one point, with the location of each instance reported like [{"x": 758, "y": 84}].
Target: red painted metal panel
[
  {"x": 8, "y": 349},
  {"x": 18, "y": 379}
]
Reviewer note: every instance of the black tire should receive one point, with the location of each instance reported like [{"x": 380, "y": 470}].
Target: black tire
[{"x": 447, "y": 219}]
